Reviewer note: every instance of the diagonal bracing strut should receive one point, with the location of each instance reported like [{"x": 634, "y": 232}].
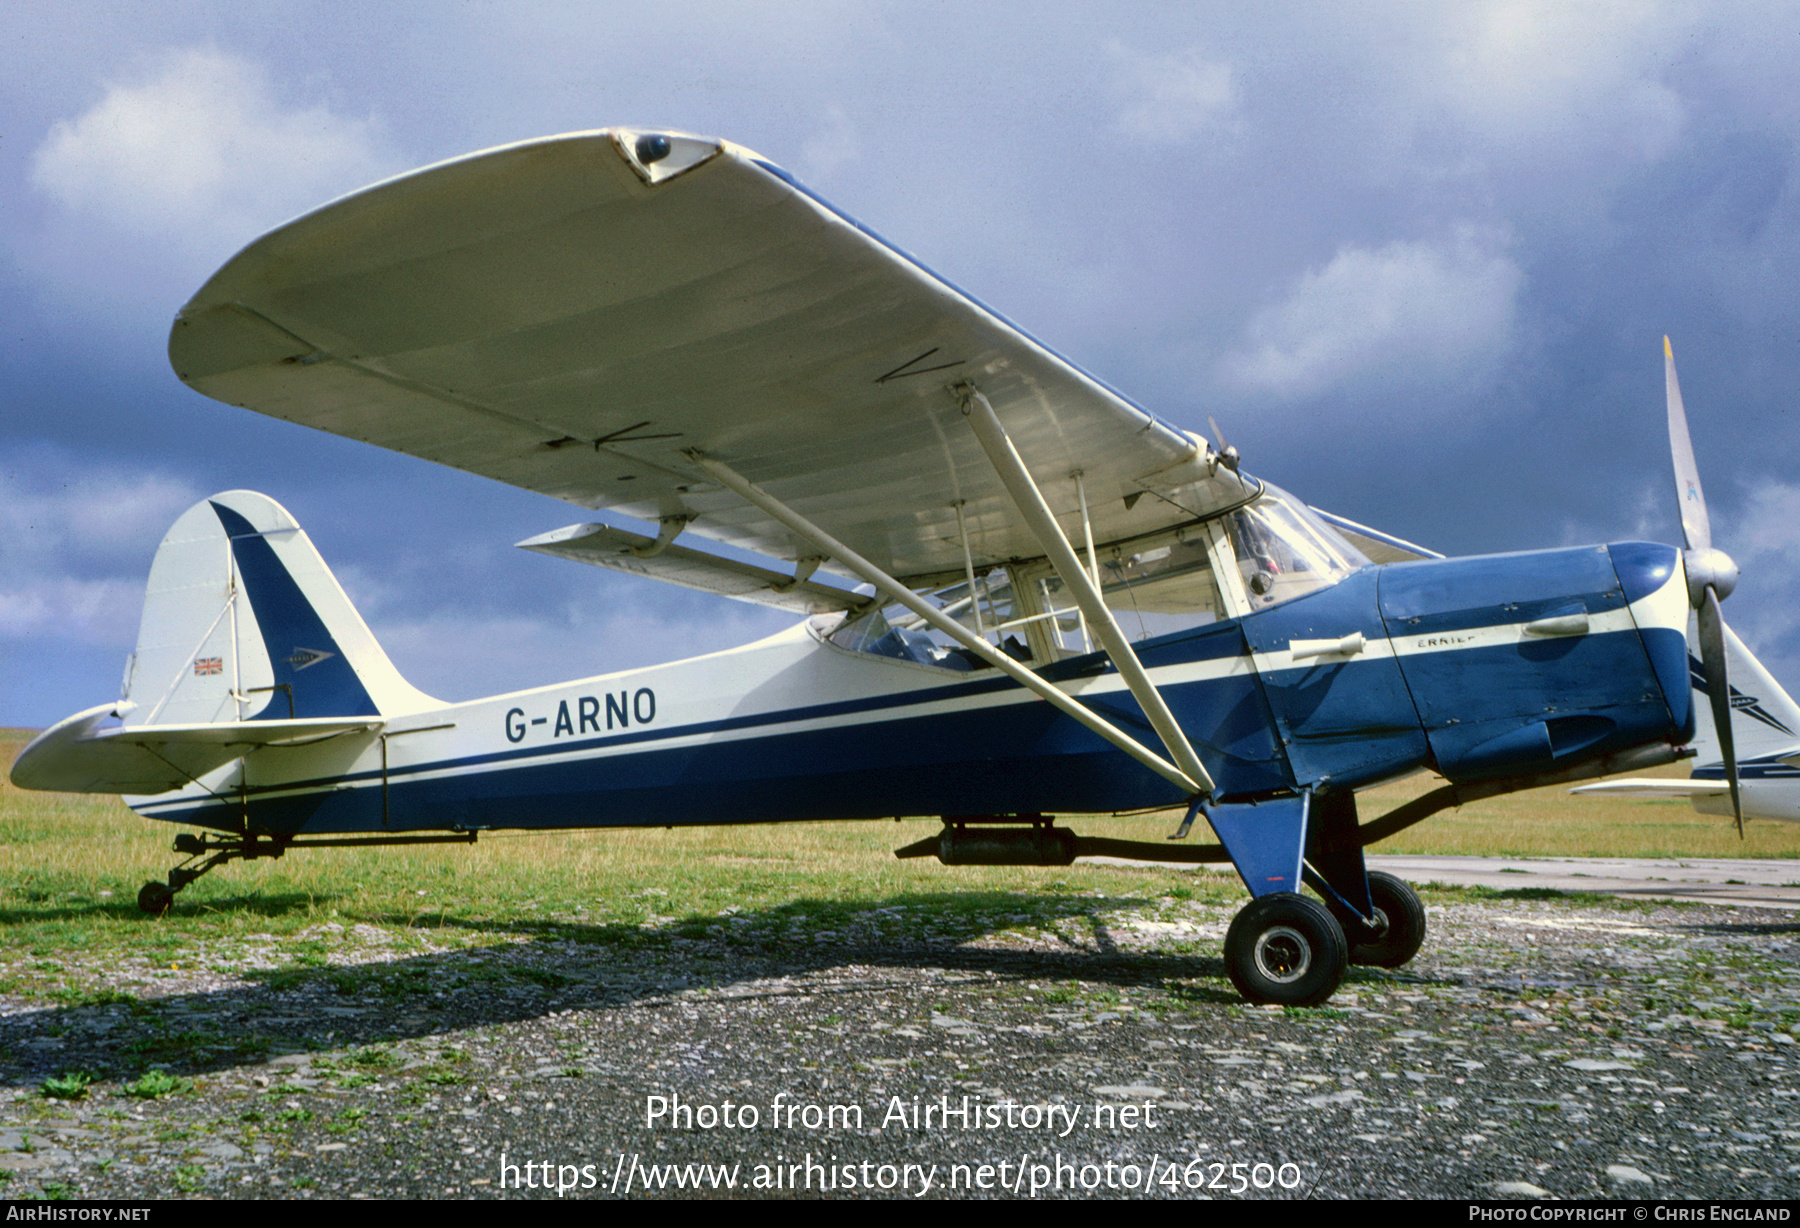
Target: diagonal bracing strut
[
  {"x": 1029, "y": 501},
  {"x": 1189, "y": 782}
]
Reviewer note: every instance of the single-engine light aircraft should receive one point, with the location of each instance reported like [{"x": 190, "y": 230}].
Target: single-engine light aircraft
[{"x": 1022, "y": 594}]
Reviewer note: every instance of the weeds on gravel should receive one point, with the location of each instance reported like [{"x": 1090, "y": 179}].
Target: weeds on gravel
[
  {"x": 69, "y": 1085},
  {"x": 155, "y": 1084}
]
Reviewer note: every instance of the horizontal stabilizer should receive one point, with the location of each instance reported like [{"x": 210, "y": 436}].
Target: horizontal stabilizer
[
  {"x": 78, "y": 756},
  {"x": 636, "y": 554}
]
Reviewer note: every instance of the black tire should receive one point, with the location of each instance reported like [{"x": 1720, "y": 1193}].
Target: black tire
[
  {"x": 155, "y": 898},
  {"x": 1396, "y": 904},
  {"x": 1286, "y": 949}
]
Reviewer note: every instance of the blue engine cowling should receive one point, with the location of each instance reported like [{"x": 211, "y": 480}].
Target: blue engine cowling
[{"x": 1523, "y": 663}]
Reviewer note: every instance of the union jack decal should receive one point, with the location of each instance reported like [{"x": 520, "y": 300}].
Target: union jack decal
[{"x": 209, "y": 665}]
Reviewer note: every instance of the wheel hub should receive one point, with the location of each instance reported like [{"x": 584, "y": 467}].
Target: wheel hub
[
  {"x": 1378, "y": 926},
  {"x": 1283, "y": 954}
]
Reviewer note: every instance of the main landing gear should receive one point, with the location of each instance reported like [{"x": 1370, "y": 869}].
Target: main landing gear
[
  {"x": 1399, "y": 925},
  {"x": 1283, "y": 948},
  {"x": 1290, "y": 950}
]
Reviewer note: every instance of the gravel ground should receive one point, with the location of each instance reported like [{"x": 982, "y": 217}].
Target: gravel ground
[{"x": 1536, "y": 1048}]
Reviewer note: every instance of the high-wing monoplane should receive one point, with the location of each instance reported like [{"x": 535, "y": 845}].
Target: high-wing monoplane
[{"x": 1022, "y": 595}]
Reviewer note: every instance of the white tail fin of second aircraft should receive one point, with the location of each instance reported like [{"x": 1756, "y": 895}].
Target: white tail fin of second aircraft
[
  {"x": 1765, "y": 724},
  {"x": 1764, "y": 718}
]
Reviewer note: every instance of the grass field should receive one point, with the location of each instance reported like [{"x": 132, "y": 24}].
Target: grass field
[{"x": 71, "y": 866}]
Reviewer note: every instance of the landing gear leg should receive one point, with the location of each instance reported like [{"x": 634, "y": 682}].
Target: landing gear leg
[
  {"x": 1283, "y": 948},
  {"x": 1382, "y": 917}
]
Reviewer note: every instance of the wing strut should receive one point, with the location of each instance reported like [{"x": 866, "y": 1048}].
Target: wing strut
[
  {"x": 1188, "y": 782},
  {"x": 1030, "y": 502}
]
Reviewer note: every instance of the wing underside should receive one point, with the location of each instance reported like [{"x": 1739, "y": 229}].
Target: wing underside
[
  {"x": 635, "y": 554},
  {"x": 562, "y": 316}
]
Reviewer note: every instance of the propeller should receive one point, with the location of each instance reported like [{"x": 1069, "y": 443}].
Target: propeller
[
  {"x": 1227, "y": 456},
  {"x": 1711, "y": 575}
]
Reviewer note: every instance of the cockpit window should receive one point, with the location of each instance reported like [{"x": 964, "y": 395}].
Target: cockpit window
[
  {"x": 1284, "y": 551},
  {"x": 1154, "y": 587}
]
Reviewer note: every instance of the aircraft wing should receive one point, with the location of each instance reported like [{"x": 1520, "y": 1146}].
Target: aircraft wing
[
  {"x": 635, "y": 554},
  {"x": 77, "y": 755},
  {"x": 575, "y": 315},
  {"x": 1378, "y": 546}
]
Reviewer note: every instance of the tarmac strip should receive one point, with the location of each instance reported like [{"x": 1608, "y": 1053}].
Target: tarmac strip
[
  {"x": 1765, "y": 883},
  {"x": 1738, "y": 881}
]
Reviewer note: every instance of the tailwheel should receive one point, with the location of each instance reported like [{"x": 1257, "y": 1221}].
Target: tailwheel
[
  {"x": 1286, "y": 949},
  {"x": 155, "y": 898},
  {"x": 1401, "y": 925}
]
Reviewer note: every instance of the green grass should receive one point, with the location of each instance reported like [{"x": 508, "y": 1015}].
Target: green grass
[
  {"x": 156, "y": 1084},
  {"x": 70, "y": 868}
]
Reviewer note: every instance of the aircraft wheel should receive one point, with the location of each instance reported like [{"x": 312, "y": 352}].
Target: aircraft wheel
[
  {"x": 1398, "y": 905},
  {"x": 1286, "y": 949},
  {"x": 155, "y": 898}
]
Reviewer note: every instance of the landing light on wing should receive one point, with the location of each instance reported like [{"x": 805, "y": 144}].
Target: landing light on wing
[{"x": 660, "y": 156}]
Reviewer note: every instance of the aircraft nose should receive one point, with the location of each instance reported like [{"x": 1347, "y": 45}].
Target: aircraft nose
[{"x": 1655, "y": 584}]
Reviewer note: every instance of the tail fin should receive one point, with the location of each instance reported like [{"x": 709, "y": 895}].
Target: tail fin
[
  {"x": 244, "y": 622},
  {"x": 247, "y": 640}
]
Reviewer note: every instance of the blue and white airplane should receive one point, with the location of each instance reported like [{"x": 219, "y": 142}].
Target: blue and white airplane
[{"x": 1023, "y": 595}]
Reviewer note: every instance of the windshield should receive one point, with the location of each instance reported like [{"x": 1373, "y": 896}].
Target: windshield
[{"x": 1284, "y": 551}]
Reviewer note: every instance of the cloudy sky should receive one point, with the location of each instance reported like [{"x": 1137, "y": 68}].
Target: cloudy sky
[{"x": 1417, "y": 260}]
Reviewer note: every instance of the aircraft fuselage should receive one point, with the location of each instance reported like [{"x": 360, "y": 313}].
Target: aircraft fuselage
[{"x": 1502, "y": 665}]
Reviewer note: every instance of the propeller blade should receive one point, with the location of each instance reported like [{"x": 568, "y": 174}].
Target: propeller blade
[
  {"x": 1696, "y": 529},
  {"x": 1718, "y": 689},
  {"x": 1228, "y": 455}
]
